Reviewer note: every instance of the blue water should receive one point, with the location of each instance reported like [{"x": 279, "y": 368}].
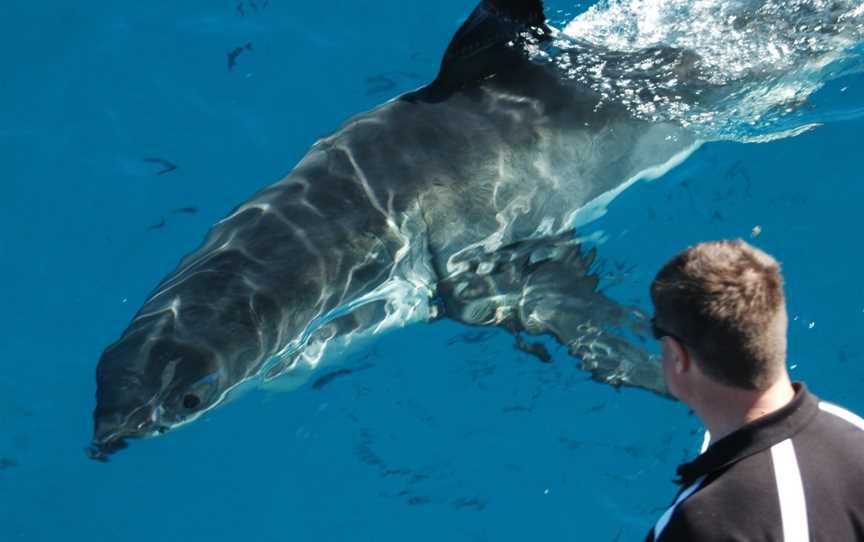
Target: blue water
[{"x": 443, "y": 434}]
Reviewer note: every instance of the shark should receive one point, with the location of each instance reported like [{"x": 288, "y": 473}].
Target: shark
[{"x": 460, "y": 199}]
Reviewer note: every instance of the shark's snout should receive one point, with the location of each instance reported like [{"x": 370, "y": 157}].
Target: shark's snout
[
  {"x": 100, "y": 449},
  {"x": 112, "y": 429}
]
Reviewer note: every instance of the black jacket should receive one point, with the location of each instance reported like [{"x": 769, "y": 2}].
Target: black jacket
[{"x": 796, "y": 474}]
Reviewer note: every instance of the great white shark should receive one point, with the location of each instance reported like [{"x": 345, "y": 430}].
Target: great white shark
[{"x": 456, "y": 200}]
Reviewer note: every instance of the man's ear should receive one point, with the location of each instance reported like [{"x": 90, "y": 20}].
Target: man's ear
[{"x": 680, "y": 355}]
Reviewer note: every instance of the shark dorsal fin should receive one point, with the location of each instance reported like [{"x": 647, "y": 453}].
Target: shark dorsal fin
[{"x": 488, "y": 42}]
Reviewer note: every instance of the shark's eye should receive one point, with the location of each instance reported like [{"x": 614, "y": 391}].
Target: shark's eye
[{"x": 190, "y": 401}]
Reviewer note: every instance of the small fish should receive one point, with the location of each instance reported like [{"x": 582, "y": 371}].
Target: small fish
[
  {"x": 167, "y": 166},
  {"x": 738, "y": 170},
  {"x": 410, "y": 75},
  {"x": 384, "y": 81},
  {"x": 378, "y": 84},
  {"x": 421, "y": 57},
  {"x": 330, "y": 377},
  {"x": 158, "y": 225},
  {"x": 232, "y": 56},
  {"x": 475, "y": 503},
  {"x": 472, "y": 337},
  {"x": 535, "y": 349},
  {"x": 189, "y": 210},
  {"x": 756, "y": 231},
  {"x": 240, "y": 9},
  {"x": 7, "y": 463},
  {"x": 595, "y": 408}
]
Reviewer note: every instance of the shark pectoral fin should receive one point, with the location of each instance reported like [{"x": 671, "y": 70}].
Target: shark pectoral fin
[
  {"x": 596, "y": 330},
  {"x": 613, "y": 360},
  {"x": 489, "y": 42},
  {"x": 545, "y": 287},
  {"x": 561, "y": 298}
]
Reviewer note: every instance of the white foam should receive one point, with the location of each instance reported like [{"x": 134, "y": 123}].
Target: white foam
[{"x": 763, "y": 62}]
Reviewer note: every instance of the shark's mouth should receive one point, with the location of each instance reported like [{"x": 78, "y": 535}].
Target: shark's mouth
[
  {"x": 110, "y": 438},
  {"x": 100, "y": 450},
  {"x": 103, "y": 446}
]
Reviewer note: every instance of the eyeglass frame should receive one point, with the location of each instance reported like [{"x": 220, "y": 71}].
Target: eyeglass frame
[{"x": 659, "y": 332}]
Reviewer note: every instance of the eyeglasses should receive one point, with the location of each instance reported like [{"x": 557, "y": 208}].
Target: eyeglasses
[{"x": 658, "y": 332}]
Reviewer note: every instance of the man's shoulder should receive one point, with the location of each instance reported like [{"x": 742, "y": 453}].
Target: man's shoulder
[
  {"x": 828, "y": 452},
  {"x": 698, "y": 519},
  {"x": 840, "y": 420},
  {"x": 736, "y": 501},
  {"x": 836, "y": 433},
  {"x": 828, "y": 461},
  {"x": 742, "y": 491}
]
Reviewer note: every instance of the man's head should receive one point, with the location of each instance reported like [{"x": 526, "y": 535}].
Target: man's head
[{"x": 721, "y": 305}]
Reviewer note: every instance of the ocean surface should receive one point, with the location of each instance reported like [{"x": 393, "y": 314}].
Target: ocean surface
[{"x": 128, "y": 128}]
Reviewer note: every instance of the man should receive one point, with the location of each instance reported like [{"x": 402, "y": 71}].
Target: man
[{"x": 782, "y": 464}]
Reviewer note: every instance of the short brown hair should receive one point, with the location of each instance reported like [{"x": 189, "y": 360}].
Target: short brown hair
[{"x": 725, "y": 301}]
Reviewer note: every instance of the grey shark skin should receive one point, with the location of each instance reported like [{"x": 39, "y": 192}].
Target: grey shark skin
[{"x": 465, "y": 189}]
